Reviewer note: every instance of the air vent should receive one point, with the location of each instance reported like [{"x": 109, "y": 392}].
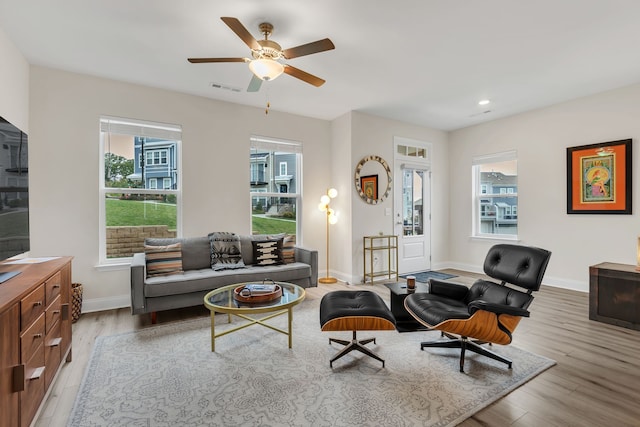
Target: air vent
[
  {"x": 225, "y": 87},
  {"x": 480, "y": 113}
]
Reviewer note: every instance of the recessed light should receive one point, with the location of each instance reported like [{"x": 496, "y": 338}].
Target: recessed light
[{"x": 484, "y": 102}]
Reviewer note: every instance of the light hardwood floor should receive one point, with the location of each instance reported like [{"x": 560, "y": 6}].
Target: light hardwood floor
[{"x": 596, "y": 381}]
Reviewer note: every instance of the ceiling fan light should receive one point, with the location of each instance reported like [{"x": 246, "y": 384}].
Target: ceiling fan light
[{"x": 266, "y": 69}]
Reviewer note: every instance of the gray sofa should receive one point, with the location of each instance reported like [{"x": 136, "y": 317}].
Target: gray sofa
[{"x": 188, "y": 288}]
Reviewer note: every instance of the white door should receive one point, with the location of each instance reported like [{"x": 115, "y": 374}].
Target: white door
[{"x": 412, "y": 216}]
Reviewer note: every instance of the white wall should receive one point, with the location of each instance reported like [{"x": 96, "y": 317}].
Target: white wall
[
  {"x": 541, "y": 138},
  {"x": 14, "y": 85},
  {"x": 374, "y": 135},
  {"x": 64, "y": 159},
  {"x": 341, "y": 179}
]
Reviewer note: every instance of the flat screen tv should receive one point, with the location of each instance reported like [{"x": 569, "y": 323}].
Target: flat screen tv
[{"x": 14, "y": 194}]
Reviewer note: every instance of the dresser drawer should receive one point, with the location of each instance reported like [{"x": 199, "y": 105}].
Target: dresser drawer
[
  {"x": 52, "y": 352},
  {"x": 52, "y": 287},
  {"x": 34, "y": 387},
  {"x": 52, "y": 314},
  {"x": 32, "y": 339},
  {"x": 31, "y": 307}
]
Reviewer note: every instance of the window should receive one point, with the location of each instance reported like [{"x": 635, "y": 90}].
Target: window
[
  {"x": 156, "y": 157},
  {"x": 275, "y": 186},
  {"x": 495, "y": 193},
  {"x": 138, "y": 198}
]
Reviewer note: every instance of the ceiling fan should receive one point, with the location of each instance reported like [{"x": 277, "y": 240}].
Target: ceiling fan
[{"x": 268, "y": 56}]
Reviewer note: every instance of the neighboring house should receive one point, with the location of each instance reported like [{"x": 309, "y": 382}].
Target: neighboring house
[
  {"x": 155, "y": 163},
  {"x": 272, "y": 172},
  {"x": 499, "y": 215}
]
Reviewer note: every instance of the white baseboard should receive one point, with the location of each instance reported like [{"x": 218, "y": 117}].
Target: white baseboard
[
  {"x": 556, "y": 282},
  {"x": 108, "y": 303}
]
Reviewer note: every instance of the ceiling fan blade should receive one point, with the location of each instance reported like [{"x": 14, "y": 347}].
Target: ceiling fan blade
[
  {"x": 202, "y": 60},
  {"x": 254, "y": 84},
  {"x": 241, "y": 32},
  {"x": 303, "y": 75},
  {"x": 308, "y": 49}
]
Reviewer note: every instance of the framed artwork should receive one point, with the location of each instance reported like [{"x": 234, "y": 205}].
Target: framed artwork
[
  {"x": 369, "y": 185},
  {"x": 599, "y": 178}
]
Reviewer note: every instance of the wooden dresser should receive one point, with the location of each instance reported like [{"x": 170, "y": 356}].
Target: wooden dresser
[{"x": 35, "y": 336}]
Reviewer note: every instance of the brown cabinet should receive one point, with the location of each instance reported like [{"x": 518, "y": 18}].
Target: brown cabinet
[
  {"x": 614, "y": 294},
  {"x": 35, "y": 336}
]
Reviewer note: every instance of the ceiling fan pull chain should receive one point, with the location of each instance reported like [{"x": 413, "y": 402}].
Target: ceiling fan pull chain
[{"x": 266, "y": 97}]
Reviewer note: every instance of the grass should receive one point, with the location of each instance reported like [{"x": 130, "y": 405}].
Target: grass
[
  {"x": 134, "y": 213},
  {"x": 262, "y": 225}
]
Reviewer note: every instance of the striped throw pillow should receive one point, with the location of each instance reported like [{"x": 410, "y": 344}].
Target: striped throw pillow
[
  {"x": 163, "y": 260},
  {"x": 288, "y": 249}
]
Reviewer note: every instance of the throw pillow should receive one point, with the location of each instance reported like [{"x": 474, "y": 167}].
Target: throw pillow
[
  {"x": 225, "y": 251},
  {"x": 288, "y": 249},
  {"x": 267, "y": 252},
  {"x": 163, "y": 260}
]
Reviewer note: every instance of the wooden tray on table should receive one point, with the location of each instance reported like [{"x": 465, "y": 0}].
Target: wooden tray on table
[{"x": 248, "y": 294}]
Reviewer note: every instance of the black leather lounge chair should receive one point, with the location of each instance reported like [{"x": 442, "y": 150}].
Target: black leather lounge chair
[{"x": 488, "y": 312}]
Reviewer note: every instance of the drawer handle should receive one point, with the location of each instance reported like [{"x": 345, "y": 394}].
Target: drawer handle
[
  {"x": 19, "y": 374},
  {"x": 37, "y": 374},
  {"x": 37, "y": 303},
  {"x": 56, "y": 311},
  {"x": 56, "y": 286},
  {"x": 55, "y": 342},
  {"x": 36, "y": 336}
]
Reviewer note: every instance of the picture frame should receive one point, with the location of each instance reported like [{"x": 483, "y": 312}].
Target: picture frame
[
  {"x": 369, "y": 185},
  {"x": 599, "y": 178}
]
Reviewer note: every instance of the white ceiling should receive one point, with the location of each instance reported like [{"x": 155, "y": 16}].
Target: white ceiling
[{"x": 426, "y": 62}]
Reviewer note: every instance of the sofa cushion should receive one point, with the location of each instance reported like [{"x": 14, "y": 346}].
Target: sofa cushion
[
  {"x": 268, "y": 252},
  {"x": 246, "y": 246},
  {"x": 206, "y": 279},
  {"x": 163, "y": 260},
  {"x": 196, "y": 251},
  {"x": 225, "y": 251}
]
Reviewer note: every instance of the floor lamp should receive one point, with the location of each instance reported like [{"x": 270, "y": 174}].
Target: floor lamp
[{"x": 332, "y": 218}]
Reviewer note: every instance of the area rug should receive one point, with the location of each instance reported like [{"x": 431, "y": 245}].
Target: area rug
[
  {"x": 167, "y": 376},
  {"x": 424, "y": 276}
]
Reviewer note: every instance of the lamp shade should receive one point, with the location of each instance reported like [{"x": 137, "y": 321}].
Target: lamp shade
[{"x": 266, "y": 69}]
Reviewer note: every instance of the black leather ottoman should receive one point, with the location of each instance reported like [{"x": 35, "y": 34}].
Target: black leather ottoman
[{"x": 355, "y": 311}]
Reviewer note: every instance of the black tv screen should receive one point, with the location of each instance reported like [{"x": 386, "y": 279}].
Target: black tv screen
[{"x": 14, "y": 191}]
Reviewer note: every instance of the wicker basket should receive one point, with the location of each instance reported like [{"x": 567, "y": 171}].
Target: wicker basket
[{"x": 76, "y": 301}]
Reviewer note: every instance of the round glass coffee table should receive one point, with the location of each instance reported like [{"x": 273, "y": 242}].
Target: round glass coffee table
[{"x": 221, "y": 300}]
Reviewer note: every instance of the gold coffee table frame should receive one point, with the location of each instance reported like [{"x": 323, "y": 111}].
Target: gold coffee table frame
[{"x": 221, "y": 301}]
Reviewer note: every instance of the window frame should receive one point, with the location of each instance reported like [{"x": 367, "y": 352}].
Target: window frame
[
  {"x": 273, "y": 145},
  {"x": 480, "y": 198},
  {"x": 135, "y": 128}
]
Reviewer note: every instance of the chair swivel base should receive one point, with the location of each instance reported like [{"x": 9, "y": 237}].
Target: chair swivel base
[
  {"x": 465, "y": 344},
  {"x": 354, "y": 344}
]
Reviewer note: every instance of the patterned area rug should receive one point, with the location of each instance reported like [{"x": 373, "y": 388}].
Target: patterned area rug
[
  {"x": 424, "y": 276},
  {"x": 167, "y": 376}
]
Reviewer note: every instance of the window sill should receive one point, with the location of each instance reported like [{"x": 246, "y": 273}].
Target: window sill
[
  {"x": 121, "y": 264},
  {"x": 498, "y": 238}
]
